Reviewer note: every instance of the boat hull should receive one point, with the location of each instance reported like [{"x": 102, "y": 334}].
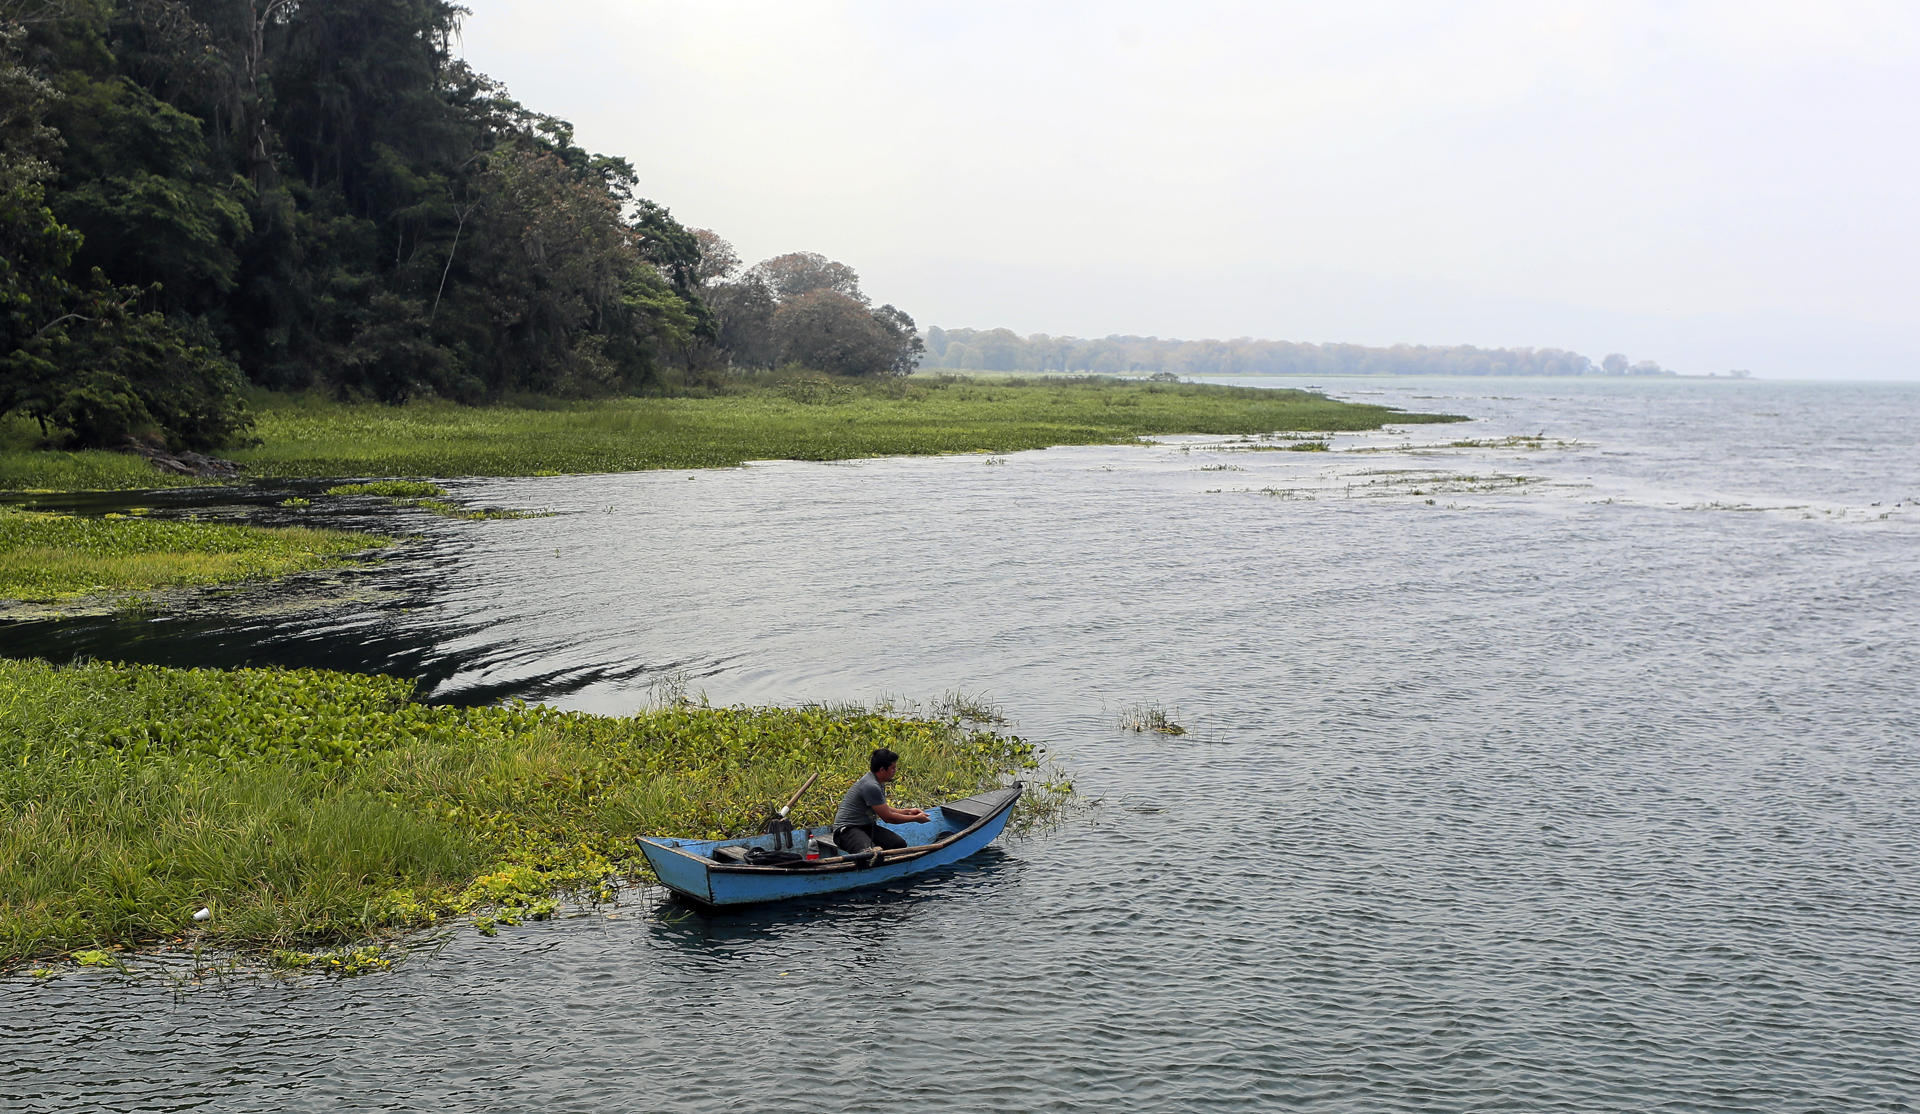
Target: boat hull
[{"x": 955, "y": 831}]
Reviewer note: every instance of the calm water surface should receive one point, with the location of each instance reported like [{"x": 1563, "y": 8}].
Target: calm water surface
[{"x": 1579, "y": 772}]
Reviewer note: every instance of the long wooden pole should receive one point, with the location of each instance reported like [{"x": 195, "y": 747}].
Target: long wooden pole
[{"x": 796, "y": 793}]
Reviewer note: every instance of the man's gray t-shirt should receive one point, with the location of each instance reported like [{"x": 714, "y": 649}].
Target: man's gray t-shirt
[{"x": 856, "y": 808}]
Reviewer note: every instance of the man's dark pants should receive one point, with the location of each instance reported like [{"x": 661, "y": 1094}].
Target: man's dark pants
[{"x": 855, "y": 840}]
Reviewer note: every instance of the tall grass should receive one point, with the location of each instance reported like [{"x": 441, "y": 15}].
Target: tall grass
[
  {"x": 792, "y": 418},
  {"x": 309, "y": 808}
]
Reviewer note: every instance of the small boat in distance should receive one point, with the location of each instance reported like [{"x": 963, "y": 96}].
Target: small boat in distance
[{"x": 729, "y": 873}]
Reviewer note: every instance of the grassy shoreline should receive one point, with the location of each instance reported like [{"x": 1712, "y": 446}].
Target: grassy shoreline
[
  {"x": 310, "y": 809},
  {"x": 803, "y": 418}
]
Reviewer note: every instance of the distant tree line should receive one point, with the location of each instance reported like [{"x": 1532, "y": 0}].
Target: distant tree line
[
  {"x": 196, "y": 195},
  {"x": 1005, "y": 350}
]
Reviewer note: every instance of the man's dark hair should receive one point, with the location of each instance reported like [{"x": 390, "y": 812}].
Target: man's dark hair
[{"x": 881, "y": 759}]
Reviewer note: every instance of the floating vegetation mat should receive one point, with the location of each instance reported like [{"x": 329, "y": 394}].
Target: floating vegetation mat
[
  {"x": 419, "y": 495},
  {"x": 287, "y": 814},
  {"x": 1534, "y": 442},
  {"x": 1407, "y": 483},
  {"x": 48, "y": 558}
]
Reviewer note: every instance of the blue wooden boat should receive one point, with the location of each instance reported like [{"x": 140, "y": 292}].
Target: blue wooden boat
[{"x": 728, "y": 873}]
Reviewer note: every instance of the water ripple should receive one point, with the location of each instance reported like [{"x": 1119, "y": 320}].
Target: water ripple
[{"x": 1541, "y": 802}]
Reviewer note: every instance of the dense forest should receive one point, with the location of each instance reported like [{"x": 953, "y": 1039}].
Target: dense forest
[
  {"x": 1005, "y": 350},
  {"x": 199, "y": 195}
]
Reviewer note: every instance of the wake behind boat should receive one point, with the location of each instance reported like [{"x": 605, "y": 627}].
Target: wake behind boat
[{"x": 728, "y": 873}]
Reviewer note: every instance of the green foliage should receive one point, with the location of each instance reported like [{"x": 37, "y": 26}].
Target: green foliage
[
  {"x": 45, "y": 557},
  {"x": 309, "y": 195},
  {"x": 136, "y": 183},
  {"x": 648, "y": 324},
  {"x": 805, "y": 309},
  {"x": 906, "y": 349},
  {"x": 319, "y": 809},
  {"x": 35, "y": 248},
  {"x": 127, "y": 373},
  {"x": 832, "y": 332},
  {"x": 79, "y": 354}
]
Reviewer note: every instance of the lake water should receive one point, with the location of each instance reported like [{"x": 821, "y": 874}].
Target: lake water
[{"x": 1574, "y": 769}]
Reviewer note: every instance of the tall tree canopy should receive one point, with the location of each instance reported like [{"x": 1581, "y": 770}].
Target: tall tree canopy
[
  {"x": 803, "y": 308},
  {"x": 317, "y": 194},
  {"x": 79, "y": 353}
]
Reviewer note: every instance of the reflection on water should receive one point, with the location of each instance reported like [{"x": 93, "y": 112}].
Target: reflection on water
[
  {"x": 880, "y": 911},
  {"x": 1601, "y": 793}
]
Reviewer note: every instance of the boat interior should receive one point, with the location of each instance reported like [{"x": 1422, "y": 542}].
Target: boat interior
[{"x": 946, "y": 821}]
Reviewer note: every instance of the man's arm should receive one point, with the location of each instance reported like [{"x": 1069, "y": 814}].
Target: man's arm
[{"x": 894, "y": 815}]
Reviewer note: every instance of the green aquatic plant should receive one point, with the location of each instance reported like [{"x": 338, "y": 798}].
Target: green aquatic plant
[
  {"x": 1280, "y": 445},
  {"x": 1149, "y": 717},
  {"x": 48, "y": 557},
  {"x": 1527, "y": 441},
  {"x": 322, "y": 810},
  {"x": 392, "y": 489},
  {"x": 345, "y": 963},
  {"x": 968, "y": 708},
  {"x": 427, "y": 497},
  {"x": 446, "y": 509}
]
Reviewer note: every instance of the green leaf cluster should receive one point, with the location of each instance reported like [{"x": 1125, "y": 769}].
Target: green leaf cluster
[{"x": 94, "y": 356}]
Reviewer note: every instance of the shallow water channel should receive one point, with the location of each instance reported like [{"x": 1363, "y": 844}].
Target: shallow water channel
[{"x": 1576, "y": 768}]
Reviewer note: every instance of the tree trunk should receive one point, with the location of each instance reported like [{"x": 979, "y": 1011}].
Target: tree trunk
[{"x": 252, "y": 106}]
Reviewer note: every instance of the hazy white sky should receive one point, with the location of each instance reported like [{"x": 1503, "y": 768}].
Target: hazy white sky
[{"x": 1711, "y": 185}]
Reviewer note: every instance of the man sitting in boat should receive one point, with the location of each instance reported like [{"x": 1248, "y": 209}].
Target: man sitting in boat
[{"x": 857, "y": 826}]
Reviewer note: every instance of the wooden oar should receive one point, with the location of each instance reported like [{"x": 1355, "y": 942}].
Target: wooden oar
[{"x": 784, "y": 809}]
